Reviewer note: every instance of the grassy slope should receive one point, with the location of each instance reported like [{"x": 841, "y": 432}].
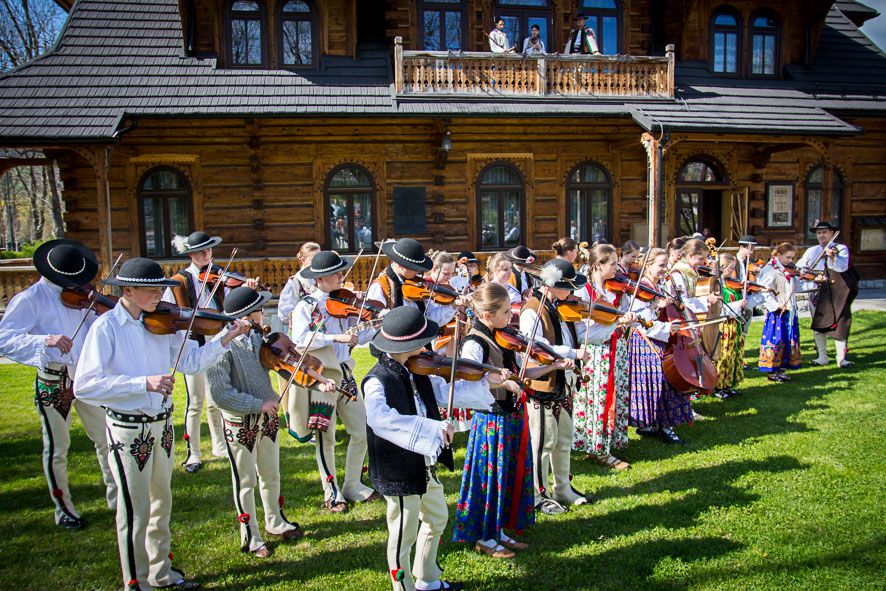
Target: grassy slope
[{"x": 782, "y": 488}]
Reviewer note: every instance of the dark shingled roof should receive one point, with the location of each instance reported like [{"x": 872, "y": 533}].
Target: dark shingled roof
[{"x": 126, "y": 59}]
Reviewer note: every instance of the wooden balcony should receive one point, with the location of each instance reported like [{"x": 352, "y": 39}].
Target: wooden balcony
[{"x": 438, "y": 73}]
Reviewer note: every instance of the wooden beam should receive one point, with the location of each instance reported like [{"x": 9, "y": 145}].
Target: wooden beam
[
  {"x": 103, "y": 201},
  {"x": 10, "y": 163},
  {"x": 653, "y": 157}
]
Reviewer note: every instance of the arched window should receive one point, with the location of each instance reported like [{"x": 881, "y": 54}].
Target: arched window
[
  {"x": 246, "y": 32},
  {"x": 442, "y": 25},
  {"x": 603, "y": 17},
  {"x": 296, "y": 31},
  {"x": 349, "y": 194},
  {"x": 699, "y": 204},
  {"x": 725, "y": 41},
  {"x": 519, "y": 16},
  {"x": 164, "y": 206},
  {"x": 500, "y": 205},
  {"x": 764, "y": 44},
  {"x": 589, "y": 195},
  {"x": 814, "y": 199}
]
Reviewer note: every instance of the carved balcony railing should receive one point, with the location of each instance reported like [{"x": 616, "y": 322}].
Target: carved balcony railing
[{"x": 438, "y": 73}]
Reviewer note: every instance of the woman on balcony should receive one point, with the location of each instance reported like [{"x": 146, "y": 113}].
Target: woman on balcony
[
  {"x": 534, "y": 43},
  {"x": 498, "y": 41}
]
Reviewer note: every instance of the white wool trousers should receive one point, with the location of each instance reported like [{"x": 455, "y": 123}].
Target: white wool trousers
[
  {"x": 353, "y": 417},
  {"x": 196, "y": 387}
]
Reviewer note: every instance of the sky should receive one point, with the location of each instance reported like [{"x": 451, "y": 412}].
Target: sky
[{"x": 875, "y": 28}]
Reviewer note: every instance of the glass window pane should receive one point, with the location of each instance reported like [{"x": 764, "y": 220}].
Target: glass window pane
[
  {"x": 757, "y": 55},
  {"x": 590, "y": 4},
  {"x": 363, "y": 220},
  {"x": 178, "y": 216},
  {"x": 577, "y": 215},
  {"x": 732, "y": 53},
  {"x": 769, "y": 55},
  {"x": 815, "y": 176},
  {"x": 155, "y": 238},
  {"x": 512, "y": 29},
  {"x": 591, "y": 174},
  {"x": 524, "y": 2},
  {"x": 296, "y": 6},
  {"x": 489, "y": 218},
  {"x": 698, "y": 172},
  {"x": 600, "y": 214},
  {"x": 432, "y": 30},
  {"x": 512, "y": 218},
  {"x": 836, "y": 203},
  {"x": 609, "y": 36},
  {"x": 246, "y": 42},
  {"x": 689, "y": 214},
  {"x": 165, "y": 180},
  {"x": 726, "y": 20},
  {"x": 813, "y": 208},
  {"x": 542, "y": 24},
  {"x": 245, "y": 6},
  {"x": 501, "y": 175},
  {"x": 338, "y": 222},
  {"x": 719, "y": 52},
  {"x": 349, "y": 177},
  {"x": 453, "y": 30}
]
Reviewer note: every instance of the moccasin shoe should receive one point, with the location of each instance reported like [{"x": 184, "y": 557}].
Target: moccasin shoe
[{"x": 501, "y": 553}]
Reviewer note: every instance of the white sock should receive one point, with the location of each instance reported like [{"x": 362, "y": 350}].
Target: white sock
[
  {"x": 505, "y": 537},
  {"x": 489, "y": 543},
  {"x": 821, "y": 343},
  {"x": 841, "y": 351},
  {"x": 422, "y": 584}
]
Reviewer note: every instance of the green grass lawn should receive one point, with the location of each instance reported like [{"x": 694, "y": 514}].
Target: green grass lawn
[{"x": 782, "y": 488}]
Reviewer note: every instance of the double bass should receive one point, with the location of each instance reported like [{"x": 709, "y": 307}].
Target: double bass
[{"x": 686, "y": 364}]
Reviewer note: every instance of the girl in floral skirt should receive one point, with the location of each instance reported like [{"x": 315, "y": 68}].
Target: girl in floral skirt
[
  {"x": 780, "y": 345},
  {"x": 601, "y": 404},
  {"x": 730, "y": 365},
  {"x": 496, "y": 485}
]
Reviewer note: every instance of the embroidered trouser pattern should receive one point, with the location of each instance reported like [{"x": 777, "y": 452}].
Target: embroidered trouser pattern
[
  {"x": 141, "y": 456},
  {"x": 353, "y": 417},
  {"x": 253, "y": 447},
  {"x": 550, "y": 432},
  {"x": 53, "y": 403},
  {"x": 196, "y": 387},
  {"x": 415, "y": 520}
]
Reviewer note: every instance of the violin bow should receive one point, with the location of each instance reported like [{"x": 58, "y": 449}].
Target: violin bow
[
  {"x": 744, "y": 289},
  {"x": 541, "y": 307},
  {"x": 431, "y": 297},
  {"x": 356, "y": 258},
  {"x": 181, "y": 349},
  {"x": 640, "y": 277},
  {"x": 95, "y": 299},
  {"x": 371, "y": 276},
  {"x": 452, "y": 373},
  {"x": 824, "y": 250},
  {"x": 302, "y": 357}
]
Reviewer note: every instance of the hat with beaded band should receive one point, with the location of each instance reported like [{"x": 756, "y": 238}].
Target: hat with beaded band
[
  {"x": 65, "y": 262},
  {"x": 404, "y": 329},
  {"x": 196, "y": 242},
  {"x": 747, "y": 240},
  {"x": 140, "y": 272},
  {"x": 243, "y": 301},
  {"x": 408, "y": 253},
  {"x": 326, "y": 263}
]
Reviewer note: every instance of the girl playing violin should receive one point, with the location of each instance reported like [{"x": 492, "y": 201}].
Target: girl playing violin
[
  {"x": 499, "y": 271},
  {"x": 630, "y": 250},
  {"x": 675, "y": 246},
  {"x": 685, "y": 275},
  {"x": 327, "y": 269},
  {"x": 780, "y": 344},
  {"x": 241, "y": 388},
  {"x": 125, "y": 369},
  {"x": 656, "y": 406},
  {"x": 730, "y": 365},
  {"x": 297, "y": 286},
  {"x": 496, "y": 484},
  {"x": 566, "y": 248},
  {"x": 601, "y": 404}
]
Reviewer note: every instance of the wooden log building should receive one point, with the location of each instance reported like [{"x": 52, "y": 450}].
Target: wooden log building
[{"x": 275, "y": 122}]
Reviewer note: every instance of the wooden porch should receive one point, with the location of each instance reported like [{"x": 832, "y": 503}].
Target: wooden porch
[{"x": 533, "y": 75}]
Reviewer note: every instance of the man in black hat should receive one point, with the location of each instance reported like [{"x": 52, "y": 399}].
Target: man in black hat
[
  {"x": 198, "y": 246},
  {"x": 406, "y": 440},
  {"x": 336, "y": 339},
  {"x": 241, "y": 388},
  {"x": 520, "y": 256},
  {"x": 125, "y": 370},
  {"x": 39, "y": 331},
  {"x": 832, "y": 295},
  {"x": 582, "y": 38},
  {"x": 746, "y": 246},
  {"x": 461, "y": 282},
  {"x": 408, "y": 260}
]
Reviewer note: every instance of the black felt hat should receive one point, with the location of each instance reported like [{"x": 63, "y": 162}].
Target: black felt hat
[
  {"x": 326, "y": 263},
  {"x": 404, "y": 329},
  {"x": 196, "y": 242},
  {"x": 469, "y": 256},
  {"x": 822, "y": 225},
  {"x": 140, "y": 272},
  {"x": 65, "y": 262},
  {"x": 560, "y": 274},
  {"x": 748, "y": 239},
  {"x": 408, "y": 253},
  {"x": 520, "y": 255},
  {"x": 242, "y": 301},
  {"x": 581, "y": 15}
]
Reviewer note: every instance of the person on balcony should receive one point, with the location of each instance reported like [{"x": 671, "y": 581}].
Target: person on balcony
[
  {"x": 534, "y": 43},
  {"x": 498, "y": 41},
  {"x": 582, "y": 39}
]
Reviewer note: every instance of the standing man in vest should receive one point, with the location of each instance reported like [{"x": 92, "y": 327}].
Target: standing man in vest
[
  {"x": 38, "y": 330},
  {"x": 836, "y": 290},
  {"x": 582, "y": 38},
  {"x": 519, "y": 257},
  {"x": 406, "y": 439}
]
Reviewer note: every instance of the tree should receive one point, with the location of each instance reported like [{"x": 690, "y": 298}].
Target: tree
[{"x": 29, "y": 28}]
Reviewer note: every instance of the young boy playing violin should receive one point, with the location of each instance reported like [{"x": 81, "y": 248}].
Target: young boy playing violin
[
  {"x": 40, "y": 331},
  {"x": 406, "y": 440},
  {"x": 241, "y": 388},
  {"x": 126, "y": 370},
  {"x": 327, "y": 269}
]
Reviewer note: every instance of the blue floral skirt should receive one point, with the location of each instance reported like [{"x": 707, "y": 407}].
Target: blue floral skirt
[
  {"x": 655, "y": 403},
  {"x": 780, "y": 345},
  {"x": 487, "y": 483}
]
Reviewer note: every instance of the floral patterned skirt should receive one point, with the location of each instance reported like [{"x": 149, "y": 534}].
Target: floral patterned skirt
[
  {"x": 730, "y": 366},
  {"x": 592, "y": 432},
  {"x": 487, "y": 482},
  {"x": 461, "y": 418},
  {"x": 780, "y": 345},
  {"x": 655, "y": 403}
]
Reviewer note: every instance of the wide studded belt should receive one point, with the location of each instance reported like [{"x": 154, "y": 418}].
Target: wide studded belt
[{"x": 138, "y": 417}]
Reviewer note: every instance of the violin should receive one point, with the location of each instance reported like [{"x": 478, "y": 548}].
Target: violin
[
  {"x": 428, "y": 364},
  {"x": 634, "y": 272},
  {"x": 229, "y": 279},
  {"x": 793, "y": 270},
  {"x": 736, "y": 284},
  {"x": 278, "y": 353},
  {"x": 754, "y": 268},
  {"x": 542, "y": 353},
  {"x": 82, "y": 297},
  {"x": 578, "y": 311},
  {"x": 170, "y": 318},
  {"x": 416, "y": 290},
  {"x": 623, "y": 284},
  {"x": 344, "y": 303}
]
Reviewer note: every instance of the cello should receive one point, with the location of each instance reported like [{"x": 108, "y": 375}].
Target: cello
[
  {"x": 706, "y": 285},
  {"x": 687, "y": 366}
]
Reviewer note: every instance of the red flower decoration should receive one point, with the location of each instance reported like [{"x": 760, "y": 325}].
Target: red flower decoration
[
  {"x": 397, "y": 574},
  {"x": 244, "y": 518},
  {"x": 280, "y": 500},
  {"x": 57, "y": 493},
  {"x": 186, "y": 437},
  {"x": 170, "y": 556},
  {"x": 329, "y": 478},
  {"x": 365, "y": 469}
]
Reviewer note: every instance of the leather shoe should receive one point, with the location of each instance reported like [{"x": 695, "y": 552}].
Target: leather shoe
[
  {"x": 194, "y": 468},
  {"x": 549, "y": 507},
  {"x": 846, "y": 364},
  {"x": 503, "y": 553},
  {"x": 446, "y": 586},
  {"x": 334, "y": 507},
  {"x": 375, "y": 496},
  {"x": 262, "y": 552},
  {"x": 71, "y": 523},
  {"x": 513, "y": 544},
  {"x": 292, "y": 534},
  {"x": 183, "y": 585}
]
